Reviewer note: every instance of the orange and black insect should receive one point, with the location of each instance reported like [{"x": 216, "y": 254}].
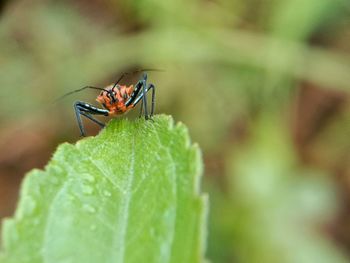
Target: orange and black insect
[{"x": 116, "y": 100}]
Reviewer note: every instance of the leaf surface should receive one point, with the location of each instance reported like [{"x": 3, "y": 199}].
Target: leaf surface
[{"x": 130, "y": 194}]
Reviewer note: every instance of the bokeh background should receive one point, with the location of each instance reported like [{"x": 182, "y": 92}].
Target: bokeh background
[{"x": 264, "y": 87}]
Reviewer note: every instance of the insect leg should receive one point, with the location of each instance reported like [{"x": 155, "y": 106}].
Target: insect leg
[
  {"x": 141, "y": 109},
  {"x": 85, "y": 109},
  {"x": 92, "y": 119},
  {"x": 151, "y": 86},
  {"x": 141, "y": 96},
  {"x": 80, "y": 123},
  {"x": 136, "y": 96},
  {"x": 136, "y": 91}
]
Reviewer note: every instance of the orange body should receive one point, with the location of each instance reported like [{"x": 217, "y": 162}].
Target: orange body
[{"x": 114, "y": 100}]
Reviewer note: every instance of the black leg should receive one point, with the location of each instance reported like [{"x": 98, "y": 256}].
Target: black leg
[
  {"x": 151, "y": 86},
  {"x": 144, "y": 98},
  {"x": 139, "y": 85},
  {"x": 80, "y": 123},
  {"x": 85, "y": 109},
  {"x": 135, "y": 97},
  {"x": 141, "y": 96},
  {"x": 135, "y": 94},
  {"x": 92, "y": 119},
  {"x": 141, "y": 109}
]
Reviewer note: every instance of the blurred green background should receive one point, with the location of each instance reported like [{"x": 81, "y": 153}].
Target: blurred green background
[{"x": 264, "y": 87}]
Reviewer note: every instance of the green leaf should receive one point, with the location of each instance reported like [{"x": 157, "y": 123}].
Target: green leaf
[{"x": 130, "y": 194}]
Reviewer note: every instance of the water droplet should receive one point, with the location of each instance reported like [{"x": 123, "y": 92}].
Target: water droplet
[
  {"x": 87, "y": 189},
  {"x": 89, "y": 208},
  {"x": 107, "y": 193}
]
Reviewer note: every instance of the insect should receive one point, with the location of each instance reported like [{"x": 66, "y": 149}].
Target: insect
[{"x": 116, "y": 100}]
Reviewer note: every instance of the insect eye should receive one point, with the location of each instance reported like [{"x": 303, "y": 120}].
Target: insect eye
[{"x": 111, "y": 96}]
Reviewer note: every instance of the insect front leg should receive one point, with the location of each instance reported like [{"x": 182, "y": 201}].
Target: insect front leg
[
  {"x": 85, "y": 109},
  {"x": 150, "y": 87},
  {"x": 139, "y": 94},
  {"x": 144, "y": 97}
]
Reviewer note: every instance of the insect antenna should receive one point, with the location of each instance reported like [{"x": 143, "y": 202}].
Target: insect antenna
[
  {"x": 78, "y": 90},
  {"x": 133, "y": 72},
  {"x": 108, "y": 91}
]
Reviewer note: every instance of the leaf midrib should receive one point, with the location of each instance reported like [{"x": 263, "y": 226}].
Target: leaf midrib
[{"x": 123, "y": 220}]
